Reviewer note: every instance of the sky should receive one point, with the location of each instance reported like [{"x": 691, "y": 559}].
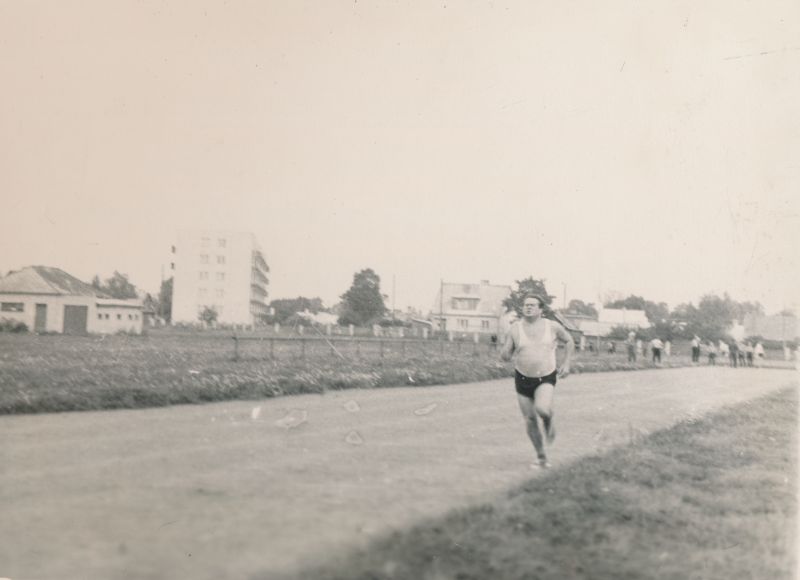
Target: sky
[{"x": 611, "y": 148}]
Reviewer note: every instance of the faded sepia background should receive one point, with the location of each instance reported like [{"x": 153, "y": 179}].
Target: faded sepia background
[{"x": 645, "y": 148}]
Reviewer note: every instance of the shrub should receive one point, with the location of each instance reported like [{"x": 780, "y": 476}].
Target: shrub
[{"x": 9, "y": 325}]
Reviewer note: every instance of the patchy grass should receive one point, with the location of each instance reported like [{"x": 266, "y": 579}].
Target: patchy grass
[
  {"x": 66, "y": 373},
  {"x": 714, "y": 499}
]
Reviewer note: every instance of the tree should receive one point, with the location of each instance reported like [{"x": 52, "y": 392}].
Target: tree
[
  {"x": 118, "y": 286},
  {"x": 208, "y": 315},
  {"x": 529, "y": 285},
  {"x": 363, "y": 302},
  {"x": 150, "y": 303},
  {"x": 580, "y": 307},
  {"x": 630, "y": 303},
  {"x": 165, "y": 300},
  {"x": 286, "y": 307}
]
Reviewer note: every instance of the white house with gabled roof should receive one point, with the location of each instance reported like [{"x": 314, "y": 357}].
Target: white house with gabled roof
[
  {"x": 48, "y": 299},
  {"x": 470, "y": 308}
]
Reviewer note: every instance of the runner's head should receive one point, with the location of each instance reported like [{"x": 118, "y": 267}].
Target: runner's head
[{"x": 533, "y": 306}]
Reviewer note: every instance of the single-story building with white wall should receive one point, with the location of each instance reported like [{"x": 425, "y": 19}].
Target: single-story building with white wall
[{"x": 50, "y": 300}]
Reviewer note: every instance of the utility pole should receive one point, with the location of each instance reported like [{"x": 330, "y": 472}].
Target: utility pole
[{"x": 441, "y": 304}]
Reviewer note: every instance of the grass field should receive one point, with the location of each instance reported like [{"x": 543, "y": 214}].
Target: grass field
[
  {"x": 69, "y": 373},
  {"x": 711, "y": 499}
]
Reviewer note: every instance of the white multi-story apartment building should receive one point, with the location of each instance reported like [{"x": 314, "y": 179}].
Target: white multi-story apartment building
[{"x": 224, "y": 270}]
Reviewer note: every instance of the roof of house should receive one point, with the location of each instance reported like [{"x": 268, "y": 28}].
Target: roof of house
[
  {"x": 623, "y": 317},
  {"x": 592, "y": 327},
  {"x": 118, "y": 303},
  {"x": 46, "y": 280}
]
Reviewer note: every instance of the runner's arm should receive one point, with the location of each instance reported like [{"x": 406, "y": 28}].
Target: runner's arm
[
  {"x": 508, "y": 346},
  {"x": 565, "y": 337}
]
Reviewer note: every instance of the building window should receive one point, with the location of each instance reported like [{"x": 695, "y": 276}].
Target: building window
[
  {"x": 119, "y": 316},
  {"x": 107, "y": 316},
  {"x": 202, "y": 292},
  {"x": 220, "y": 259},
  {"x": 172, "y": 265},
  {"x": 204, "y": 258},
  {"x": 130, "y": 316},
  {"x": 100, "y": 317},
  {"x": 220, "y": 293},
  {"x": 220, "y": 276},
  {"x": 221, "y": 242},
  {"x": 463, "y": 323},
  {"x": 204, "y": 275},
  {"x": 173, "y": 249},
  {"x": 485, "y": 324},
  {"x": 12, "y": 307},
  {"x": 204, "y": 241}
]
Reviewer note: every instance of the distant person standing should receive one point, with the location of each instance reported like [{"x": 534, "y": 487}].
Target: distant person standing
[
  {"x": 630, "y": 346},
  {"x": 741, "y": 353},
  {"x": 724, "y": 351},
  {"x": 531, "y": 343},
  {"x": 696, "y": 349},
  {"x": 733, "y": 349},
  {"x": 748, "y": 353},
  {"x": 712, "y": 353},
  {"x": 759, "y": 353},
  {"x": 656, "y": 345}
]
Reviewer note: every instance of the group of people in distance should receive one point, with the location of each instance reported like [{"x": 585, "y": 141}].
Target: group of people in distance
[
  {"x": 636, "y": 347},
  {"x": 744, "y": 354}
]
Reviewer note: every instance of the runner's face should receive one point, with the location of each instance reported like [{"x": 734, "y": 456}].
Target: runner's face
[{"x": 531, "y": 308}]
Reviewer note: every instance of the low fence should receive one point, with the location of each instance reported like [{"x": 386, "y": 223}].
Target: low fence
[{"x": 277, "y": 348}]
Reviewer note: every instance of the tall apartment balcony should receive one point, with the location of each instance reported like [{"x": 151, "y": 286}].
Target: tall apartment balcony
[
  {"x": 258, "y": 277},
  {"x": 259, "y": 262},
  {"x": 257, "y": 292}
]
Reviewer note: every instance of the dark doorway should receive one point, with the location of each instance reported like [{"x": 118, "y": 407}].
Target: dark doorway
[
  {"x": 75, "y": 319},
  {"x": 40, "y": 322}
]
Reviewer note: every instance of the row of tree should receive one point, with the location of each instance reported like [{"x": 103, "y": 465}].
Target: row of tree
[
  {"x": 363, "y": 304},
  {"x": 711, "y": 319}
]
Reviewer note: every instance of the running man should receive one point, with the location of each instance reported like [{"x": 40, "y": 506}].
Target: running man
[{"x": 531, "y": 343}]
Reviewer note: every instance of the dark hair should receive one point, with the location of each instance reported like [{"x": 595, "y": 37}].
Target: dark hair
[{"x": 537, "y": 297}]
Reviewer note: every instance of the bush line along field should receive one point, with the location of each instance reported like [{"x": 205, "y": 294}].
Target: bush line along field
[
  {"x": 711, "y": 499},
  {"x": 52, "y": 373}
]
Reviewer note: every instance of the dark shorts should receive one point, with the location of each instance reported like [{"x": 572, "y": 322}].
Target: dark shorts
[{"x": 526, "y": 386}]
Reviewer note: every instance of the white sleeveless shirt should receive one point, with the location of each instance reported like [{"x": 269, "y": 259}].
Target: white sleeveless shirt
[{"x": 535, "y": 358}]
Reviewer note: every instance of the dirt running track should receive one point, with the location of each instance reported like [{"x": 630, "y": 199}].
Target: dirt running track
[{"x": 234, "y": 489}]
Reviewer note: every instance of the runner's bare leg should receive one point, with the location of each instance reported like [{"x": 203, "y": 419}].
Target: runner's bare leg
[{"x": 528, "y": 409}]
